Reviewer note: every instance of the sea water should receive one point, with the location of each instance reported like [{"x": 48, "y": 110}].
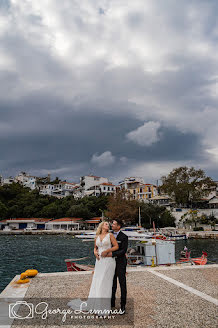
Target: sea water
[{"x": 47, "y": 253}]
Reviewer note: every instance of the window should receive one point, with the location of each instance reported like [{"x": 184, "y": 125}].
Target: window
[
  {"x": 141, "y": 190},
  {"x": 104, "y": 188}
]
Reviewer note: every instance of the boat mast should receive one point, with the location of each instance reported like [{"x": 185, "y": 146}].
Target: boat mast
[{"x": 139, "y": 216}]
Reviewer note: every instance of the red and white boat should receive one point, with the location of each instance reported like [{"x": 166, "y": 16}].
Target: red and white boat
[
  {"x": 197, "y": 260},
  {"x": 73, "y": 266}
]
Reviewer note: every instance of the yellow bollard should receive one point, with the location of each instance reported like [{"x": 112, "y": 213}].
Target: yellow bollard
[
  {"x": 31, "y": 272},
  {"x": 23, "y": 275},
  {"x": 22, "y": 281},
  {"x": 152, "y": 262}
]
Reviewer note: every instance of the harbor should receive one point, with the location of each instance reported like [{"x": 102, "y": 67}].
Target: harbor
[
  {"x": 47, "y": 253},
  {"x": 109, "y": 163},
  {"x": 157, "y": 297},
  {"x": 187, "y": 233}
]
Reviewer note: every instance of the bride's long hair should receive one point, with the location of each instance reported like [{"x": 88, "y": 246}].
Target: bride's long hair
[{"x": 99, "y": 229}]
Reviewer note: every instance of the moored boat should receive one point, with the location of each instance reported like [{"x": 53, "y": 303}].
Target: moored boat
[
  {"x": 72, "y": 265},
  {"x": 133, "y": 233},
  {"x": 177, "y": 237},
  {"x": 152, "y": 252},
  {"x": 196, "y": 261}
]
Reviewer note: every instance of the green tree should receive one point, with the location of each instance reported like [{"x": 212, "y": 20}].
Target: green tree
[
  {"x": 18, "y": 201},
  {"x": 190, "y": 217},
  {"x": 208, "y": 219},
  {"x": 122, "y": 206},
  {"x": 186, "y": 185},
  {"x": 158, "y": 214},
  {"x": 50, "y": 211},
  {"x": 79, "y": 211},
  {"x": 3, "y": 211},
  {"x": 55, "y": 181}
]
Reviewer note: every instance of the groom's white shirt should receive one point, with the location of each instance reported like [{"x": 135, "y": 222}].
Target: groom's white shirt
[{"x": 116, "y": 233}]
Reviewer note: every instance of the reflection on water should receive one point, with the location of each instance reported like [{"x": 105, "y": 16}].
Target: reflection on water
[{"x": 47, "y": 253}]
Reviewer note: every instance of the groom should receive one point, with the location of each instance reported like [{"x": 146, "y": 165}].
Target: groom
[{"x": 121, "y": 262}]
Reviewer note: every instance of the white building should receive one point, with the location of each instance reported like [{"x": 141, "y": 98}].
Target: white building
[
  {"x": 9, "y": 180},
  {"x": 24, "y": 223},
  {"x": 105, "y": 188},
  {"x": 88, "y": 181},
  {"x": 26, "y": 180},
  {"x": 59, "y": 190},
  {"x": 64, "y": 189},
  {"x": 68, "y": 185},
  {"x": 161, "y": 200},
  {"x": 213, "y": 191},
  {"x": 64, "y": 224},
  {"x": 47, "y": 189},
  {"x": 131, "y": 182},
  {"x": 213, "y": 202}
]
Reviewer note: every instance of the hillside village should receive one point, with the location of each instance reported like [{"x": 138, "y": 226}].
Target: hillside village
[{"x": 91, "y": 185}]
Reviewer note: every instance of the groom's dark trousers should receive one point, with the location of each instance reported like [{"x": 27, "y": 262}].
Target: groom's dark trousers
[{"x": 120, "y": 271}]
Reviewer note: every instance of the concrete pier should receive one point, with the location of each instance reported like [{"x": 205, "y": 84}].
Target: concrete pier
[
  {"x": 184, "y": 296},
  {"x": 203, "y": 234},
  {"x": 190, "y": 234},
  {"x": 44, "y": 232}
]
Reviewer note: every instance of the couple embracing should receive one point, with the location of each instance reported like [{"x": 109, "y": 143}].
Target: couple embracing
[{"x": 110, "y": 265}]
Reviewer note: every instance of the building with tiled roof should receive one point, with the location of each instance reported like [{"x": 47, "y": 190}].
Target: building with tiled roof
[
  {"x": 64, "y": 224},
  {"x": 24, "y": 223},
  {"x": 93, "y": 222}
]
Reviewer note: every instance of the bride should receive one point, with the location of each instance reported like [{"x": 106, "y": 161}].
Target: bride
[{"x": 100, "y": 292}]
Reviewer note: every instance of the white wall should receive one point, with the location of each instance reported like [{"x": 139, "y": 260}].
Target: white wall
[
  {"x": 93, "y": 181},
  {"x": 208, "y": 211}
]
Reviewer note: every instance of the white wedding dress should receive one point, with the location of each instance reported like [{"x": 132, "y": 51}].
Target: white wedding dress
[{"x": 100, "y": 292}]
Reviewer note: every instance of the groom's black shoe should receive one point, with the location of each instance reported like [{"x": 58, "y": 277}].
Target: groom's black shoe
[{"x": 122, "y": 310}]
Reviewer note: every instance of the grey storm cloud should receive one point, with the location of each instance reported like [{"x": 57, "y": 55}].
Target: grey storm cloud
[{"x": 102, "y": 87}]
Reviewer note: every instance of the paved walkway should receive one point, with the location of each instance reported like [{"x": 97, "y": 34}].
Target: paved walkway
[{"x": 161, "y": 297}]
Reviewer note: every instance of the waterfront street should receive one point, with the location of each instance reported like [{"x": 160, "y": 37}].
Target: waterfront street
[{"x": 161, "y": 297}]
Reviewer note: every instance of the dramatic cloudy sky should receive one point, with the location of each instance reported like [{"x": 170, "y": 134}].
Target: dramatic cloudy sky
[{"x": 110, "y": 87}]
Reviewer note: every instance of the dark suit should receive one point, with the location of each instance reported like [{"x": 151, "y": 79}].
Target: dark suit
[{"x": 120, "y": 270}]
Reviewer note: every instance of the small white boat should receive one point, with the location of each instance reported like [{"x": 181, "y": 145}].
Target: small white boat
[
  {"x": 153, "y": 252},
  {"x": 177, "y": 237},
  {"x": 86, "y": 235},
  {"x": 133, "y": 233}
]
